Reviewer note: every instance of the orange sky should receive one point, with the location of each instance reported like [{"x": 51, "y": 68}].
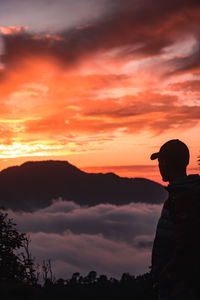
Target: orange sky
[{"x": 102, "y": 94}]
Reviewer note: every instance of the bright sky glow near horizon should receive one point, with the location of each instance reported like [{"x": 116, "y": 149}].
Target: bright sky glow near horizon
[{"x": 99, "y": 83}]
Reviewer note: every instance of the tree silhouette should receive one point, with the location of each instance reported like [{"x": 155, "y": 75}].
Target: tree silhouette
[{"x": 16, "y": 263}]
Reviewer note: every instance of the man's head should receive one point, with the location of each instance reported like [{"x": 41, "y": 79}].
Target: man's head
[{"x": 173, "y": 158}]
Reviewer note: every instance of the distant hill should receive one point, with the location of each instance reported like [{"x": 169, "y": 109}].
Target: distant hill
[{"x": 33, "y": 185}]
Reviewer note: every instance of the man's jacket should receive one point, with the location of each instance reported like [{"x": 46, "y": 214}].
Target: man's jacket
[{"x": 176, "y": 248}]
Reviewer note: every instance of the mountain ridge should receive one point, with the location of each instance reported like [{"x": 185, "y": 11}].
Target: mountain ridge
[{"x": 34, "y": 184}]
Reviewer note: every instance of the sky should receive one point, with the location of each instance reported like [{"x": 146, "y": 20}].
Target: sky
[{"x": 102, "y": 84}]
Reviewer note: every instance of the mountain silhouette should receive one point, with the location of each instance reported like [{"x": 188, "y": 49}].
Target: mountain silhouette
[{"x": 33, "y": 185}]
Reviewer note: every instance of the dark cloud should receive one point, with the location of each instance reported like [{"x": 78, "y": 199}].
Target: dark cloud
[
  {"x": 185, "y": 64},
  {"x": 186, "y": 86},
  {"x": 145, "y": 29},
  {"x": 105, "y": 238},
  {"x": 51, "y": 15}
]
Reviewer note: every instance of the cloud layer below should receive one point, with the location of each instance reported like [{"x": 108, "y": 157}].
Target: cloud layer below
[{"x": 105, "y": 238}]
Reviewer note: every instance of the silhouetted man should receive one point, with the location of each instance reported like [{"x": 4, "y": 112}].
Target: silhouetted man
[{"x": 176, "y": 250}]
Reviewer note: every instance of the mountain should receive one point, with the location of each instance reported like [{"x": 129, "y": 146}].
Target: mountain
[{"x": 33, "y": 185}]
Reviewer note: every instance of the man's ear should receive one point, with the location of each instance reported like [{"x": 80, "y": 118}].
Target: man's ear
[{"x": 165, "y": 163}]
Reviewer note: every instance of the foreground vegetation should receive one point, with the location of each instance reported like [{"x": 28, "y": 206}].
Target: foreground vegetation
[{"x": 78, "y": 287}]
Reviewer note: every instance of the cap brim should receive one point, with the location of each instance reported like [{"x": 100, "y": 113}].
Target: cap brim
[{"x": 154, "y": 156}]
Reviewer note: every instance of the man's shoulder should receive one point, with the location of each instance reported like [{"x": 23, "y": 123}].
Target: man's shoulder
[
  {"x": 188, "y": 186},
  {"x": 186, "y": 201},
  {"x": 185, "y": 194}
]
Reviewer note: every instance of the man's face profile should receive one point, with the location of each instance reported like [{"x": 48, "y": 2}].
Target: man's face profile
[{"x": 163, "y": 169}]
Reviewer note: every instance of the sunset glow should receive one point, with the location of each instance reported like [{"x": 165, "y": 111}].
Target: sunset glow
[{"x": 101, "y": 102}]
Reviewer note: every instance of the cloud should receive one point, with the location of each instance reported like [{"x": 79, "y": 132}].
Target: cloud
[
  {"x": 77, "y": 118},
  {"x": 106, "y": 219},
  {"x": 186, "y": 64},
  {"x": 12, "y": 30},
  {"x": 44, "y": 15},
  {"x": 143, "y": 30},
  {"x": 192, "y": 86},
  {"x": 105, "y": 238},
  {"x": 83, "y": 253},
  {"x": 132, "y": 114},
  {"x": 75, "y": 114}
]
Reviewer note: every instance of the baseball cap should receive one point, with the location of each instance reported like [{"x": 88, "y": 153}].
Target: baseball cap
[{"x": 173, "y": 150}]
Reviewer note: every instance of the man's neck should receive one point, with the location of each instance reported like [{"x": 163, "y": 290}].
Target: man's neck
[{"x": 177, "y": 177}]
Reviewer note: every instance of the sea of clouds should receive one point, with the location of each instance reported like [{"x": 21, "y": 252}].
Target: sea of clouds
[{"x": 106, "y": 238}]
